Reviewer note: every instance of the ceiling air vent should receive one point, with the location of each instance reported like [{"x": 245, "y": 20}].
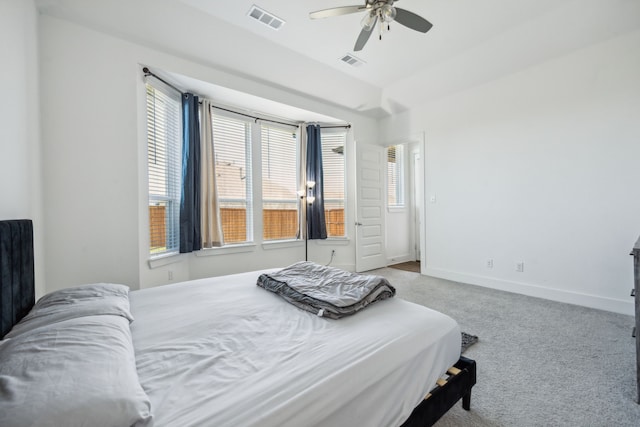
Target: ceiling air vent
[
  {"x": 352, "y": 60},
  {"x": 265, "y": 17}
]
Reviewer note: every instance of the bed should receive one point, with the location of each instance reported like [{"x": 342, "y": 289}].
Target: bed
[{"x": 219, "y": 352}]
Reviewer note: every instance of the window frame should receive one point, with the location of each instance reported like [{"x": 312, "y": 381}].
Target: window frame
[
  {"x": 263, "y": 200},
  {"x": 249, "y": 181},
  {"x": 174, "y": 169},
  {"x": 345, "y": 134},
  {"x": 400, "y": 179}
]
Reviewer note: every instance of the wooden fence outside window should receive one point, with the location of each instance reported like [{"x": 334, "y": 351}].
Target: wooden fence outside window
[{"x": 280, "y": 223}]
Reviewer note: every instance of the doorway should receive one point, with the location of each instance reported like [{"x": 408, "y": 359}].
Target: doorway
[
  {"x": 418, "y": 196},
  {"x": 405, "y": 242}
]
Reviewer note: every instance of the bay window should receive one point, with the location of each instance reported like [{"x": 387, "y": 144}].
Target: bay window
[{"x": 233, "y": 139}]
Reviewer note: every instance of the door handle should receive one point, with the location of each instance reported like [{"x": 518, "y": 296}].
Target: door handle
[{"x": 358, "y": 223}]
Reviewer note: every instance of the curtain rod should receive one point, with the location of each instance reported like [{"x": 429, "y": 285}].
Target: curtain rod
[
  {"x": 253, "y": 117},
  {"x": 148, "y": 72},
  {"x": 347, "y": 126}
]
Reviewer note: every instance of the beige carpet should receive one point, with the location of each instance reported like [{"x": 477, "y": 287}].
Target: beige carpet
[{"x": 540, "y": 362}]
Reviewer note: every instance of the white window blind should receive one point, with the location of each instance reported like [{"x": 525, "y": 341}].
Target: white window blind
[
  {"x": 232, "y": 146},
  {"x": 164, "y": 153},
  {"x": 395, "y": 176},
  {"x": 279, "y": 183},
  {"x": 333, "y": 165}
]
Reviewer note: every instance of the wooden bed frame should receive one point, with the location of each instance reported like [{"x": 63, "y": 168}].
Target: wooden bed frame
[
  {"x": 461, "y": 377},
  {"x": 17, "y": 297}
]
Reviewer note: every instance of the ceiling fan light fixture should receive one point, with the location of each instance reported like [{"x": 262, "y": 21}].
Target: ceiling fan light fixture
[
  {"x": 387, "y": 13},
  {"x": 368, "y": 21}
]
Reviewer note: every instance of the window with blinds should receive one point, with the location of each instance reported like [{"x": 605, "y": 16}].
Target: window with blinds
[
  {"x": 164, "y": 154},
  {"x": 232, "y": 147},
  {"x": 279, "y": 183},
  {"x": 395, "y": 176},
  {"x": 333, "y": 166}
]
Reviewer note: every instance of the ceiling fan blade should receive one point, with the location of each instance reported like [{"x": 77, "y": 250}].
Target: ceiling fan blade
[
  {"x": 364, "y": 37},
  {"x": 413, "y": 21},
  {"x": 336, "y": 11}
]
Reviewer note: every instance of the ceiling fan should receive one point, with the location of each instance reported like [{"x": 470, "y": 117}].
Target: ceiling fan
[{"x": 376, "y": 10}]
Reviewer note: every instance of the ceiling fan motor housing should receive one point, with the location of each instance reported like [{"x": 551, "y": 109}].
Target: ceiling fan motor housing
[{"x": 378, "y": 3}]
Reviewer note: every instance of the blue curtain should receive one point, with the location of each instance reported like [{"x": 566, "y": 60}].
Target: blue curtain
[
  {"x": 316, "y": 225},
  {"x": 190, "y": 236}
]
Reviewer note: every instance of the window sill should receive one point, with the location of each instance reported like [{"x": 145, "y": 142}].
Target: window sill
[
  {"x": 279, "y": 244},
  {"x": 165, "y": 259},
  {"x": 225, "y": 250},
  {"x": 332, "y": 241}
]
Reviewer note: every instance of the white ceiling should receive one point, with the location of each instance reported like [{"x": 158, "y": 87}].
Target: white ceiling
[
  {"x": 472, "y": 42},
  {"x": 543, "y": 28}
]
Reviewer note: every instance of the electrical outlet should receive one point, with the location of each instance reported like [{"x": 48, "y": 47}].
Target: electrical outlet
[
  {"x": 520, "y": 267},
  {"x": 333, "y": 252},
  {"x": 490, "y": 263},
  {"x": 170, "y": 274}
]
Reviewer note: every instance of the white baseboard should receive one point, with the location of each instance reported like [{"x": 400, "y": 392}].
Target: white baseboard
[{"x": 576, "y": 298}]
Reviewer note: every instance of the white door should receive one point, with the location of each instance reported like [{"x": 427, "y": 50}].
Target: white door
[{"x": 370, "y": 168}]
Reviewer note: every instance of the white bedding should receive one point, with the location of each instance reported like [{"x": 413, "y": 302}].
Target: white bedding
[{"x": 224, "y": 352}]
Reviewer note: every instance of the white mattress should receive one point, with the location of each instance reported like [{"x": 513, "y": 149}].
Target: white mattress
[{"x": 224, "y": 352}]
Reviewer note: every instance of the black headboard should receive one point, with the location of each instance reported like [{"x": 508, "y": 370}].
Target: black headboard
[{"x": 17, "y": 281}]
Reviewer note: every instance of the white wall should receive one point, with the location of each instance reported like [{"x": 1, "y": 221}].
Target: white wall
[
  {"x": 20, "y": 181},
  {"x": 95, "y": 174},
  {"x": 542, "y": 167},
  {"x": 187, "y": 32}
]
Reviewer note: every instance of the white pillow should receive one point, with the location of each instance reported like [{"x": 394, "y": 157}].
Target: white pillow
[
  {"x": 65, "y": 304},
  {"x": 76, "y": 372}
]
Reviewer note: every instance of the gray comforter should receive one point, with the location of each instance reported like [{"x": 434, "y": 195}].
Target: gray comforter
[{"x": 326, "y": 291}]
